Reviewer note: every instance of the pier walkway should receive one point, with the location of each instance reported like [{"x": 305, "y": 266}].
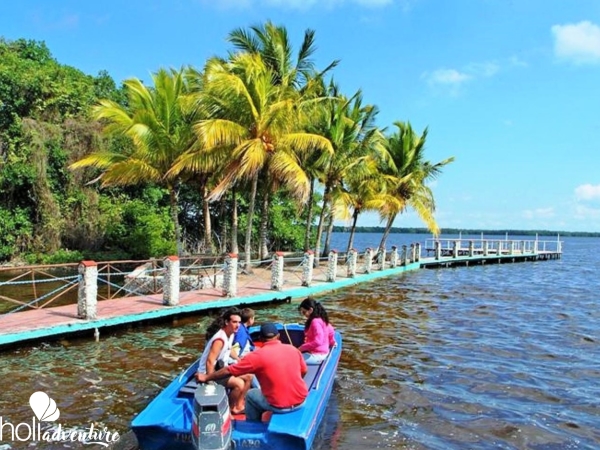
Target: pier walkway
[
  {"x": 39, "y": 302},
  {"x": 464, "y": 252}
]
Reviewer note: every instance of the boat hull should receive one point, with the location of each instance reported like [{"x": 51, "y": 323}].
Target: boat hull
[{"x": 165, "y": 424}]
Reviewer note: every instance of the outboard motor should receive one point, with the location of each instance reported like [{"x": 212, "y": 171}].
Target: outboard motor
[{"x": 211, "y": 427}]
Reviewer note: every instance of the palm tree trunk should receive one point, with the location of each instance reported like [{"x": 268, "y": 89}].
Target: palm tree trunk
[
  {"x": 234, "y": 222},
  {"x": 328, "y": 236},
  {"x": 386, "y": 232},
  {"x": 175, "y": 217},
  {"x": 352, "y": 230},
  {"x": 309, "y": 214},
  {"x": 223, "y": 236},
  {"x": 248, "y": 243},
  {"x": 264, "y": 223},
  {"x": 208, "y": 244},
  {"x": 321, "y": 224}
]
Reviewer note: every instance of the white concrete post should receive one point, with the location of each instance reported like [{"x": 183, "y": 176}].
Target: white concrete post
[
  {"x": 486, "y": 248},
  {"x": 499, "y": 248},
  {"x": 381, "y": 259},
  {"x": 277, "y": 272},
  {"x": 307, "y": 268},
  {"x": 404, "y": 255},
  {"x": 394, "y": 256},
  {"x": 471, "y": 248},
  {"x": 351, "y": 263},
  {"x": 412, "y": 253},
  {"x": 87, "y": 298},
  {"x": 438, "y": 250},
  {"x": 171, "y": 281},
  {"x": 455, "y": 245},
  {"x": 417, "y": 252},
  {"x": 368, "y": 260},
  {"x": 512, "y": 248},
  {"x": 230, "y": 275},
  {"x": 332, "y": 265}
]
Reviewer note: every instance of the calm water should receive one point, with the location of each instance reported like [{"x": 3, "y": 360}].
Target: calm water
[{"x": 485, "y": 357}]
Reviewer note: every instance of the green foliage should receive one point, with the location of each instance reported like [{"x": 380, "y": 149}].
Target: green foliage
[
  {"x": 44, "y": 126},
  {"x": 286, "y": 224},
  {"x": 61, "y": 256},
  {"x": 16, "y": 232},
  {"x": 142, "y": 228}
]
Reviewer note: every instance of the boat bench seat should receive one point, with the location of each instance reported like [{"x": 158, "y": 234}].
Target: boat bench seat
[
  {"x": 309, "y": 379},
  {"x": 189, "y": 387},
  {"x": 311, "y": 375}
]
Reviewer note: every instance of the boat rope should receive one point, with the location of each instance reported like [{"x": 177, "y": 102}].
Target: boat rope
[{"x": 287, "y": 334}]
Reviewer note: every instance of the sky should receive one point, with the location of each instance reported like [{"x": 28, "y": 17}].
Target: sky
[{"x": 510, "y": 88}]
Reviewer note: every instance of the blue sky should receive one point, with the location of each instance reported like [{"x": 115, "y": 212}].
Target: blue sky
[{"x": 511, "y": 89}]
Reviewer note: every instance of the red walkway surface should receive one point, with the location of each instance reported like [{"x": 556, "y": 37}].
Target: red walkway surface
[{"x": 259, "y": 282}]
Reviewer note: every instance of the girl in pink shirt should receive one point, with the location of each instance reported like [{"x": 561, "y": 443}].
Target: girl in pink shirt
[{"x": 318, "y": 332}]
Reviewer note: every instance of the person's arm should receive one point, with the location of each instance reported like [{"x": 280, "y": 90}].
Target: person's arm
[
  {"x": 215, "y": 374},
  {"x": 235, "y": 351},
  {"x": 314, "y": 336},
  {"x": 213, "y": 355},
  {"x": 331, "y": 335}
]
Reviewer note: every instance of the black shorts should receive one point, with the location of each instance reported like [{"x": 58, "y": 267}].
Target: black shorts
[{"x": 223, "y": 380}]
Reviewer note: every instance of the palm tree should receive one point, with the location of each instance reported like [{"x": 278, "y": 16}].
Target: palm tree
[
  {"x": 272, "y": 44},
  {"x": 256, "y": 122},
  {"x": 365, "y": 194},
  {"x": 350, "y": 127},
  {"x": 158, "y": 121},
  {"x": 407, "y": 179}
]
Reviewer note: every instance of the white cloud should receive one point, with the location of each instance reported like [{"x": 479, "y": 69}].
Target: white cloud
[
  {"x": 587, "y": 192},
  {"x": 451, "y": 77},
  {"x": 539, "y": 213},
  {"x": 517, "y": 62},
  {"x": 485, "y": 69},
  {"x": 586, "y": 213},
  {"x": 373, "y": 3},
  {"x": 454, "y": 79},
  {"x": 579, "y": 43}
]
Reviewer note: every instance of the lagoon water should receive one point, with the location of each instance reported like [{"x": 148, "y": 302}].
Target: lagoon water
[{"x": 483, "y": 357}]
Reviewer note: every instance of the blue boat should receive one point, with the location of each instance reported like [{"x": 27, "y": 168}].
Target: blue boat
[{"x": 188, "y": 416}]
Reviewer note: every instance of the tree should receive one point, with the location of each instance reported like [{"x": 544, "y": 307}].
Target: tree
[
  {"x": 349, "y": 125},
  {"x": 256, "y": 122},
  {"x": 407, "y": 179},
  {"x": 158, "y": 121},
  {"x": 272, "y": 44}
]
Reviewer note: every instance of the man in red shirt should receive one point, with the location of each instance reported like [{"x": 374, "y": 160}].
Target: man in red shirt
[{"x": 279, "y": 369}]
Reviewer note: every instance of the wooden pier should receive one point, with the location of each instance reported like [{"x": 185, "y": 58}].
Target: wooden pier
[
  {"x": 54, "y": 310},
  {"x": 55, "y": 322},
  {"x": 465, "y": 252}
]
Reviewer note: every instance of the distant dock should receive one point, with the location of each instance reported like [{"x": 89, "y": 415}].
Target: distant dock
[
  {"x": 465, "y": 252},
  {"x": 56, "y": 301}
]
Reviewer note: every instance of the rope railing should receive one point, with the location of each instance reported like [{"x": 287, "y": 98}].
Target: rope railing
[
  {"x": 47, "y": 295},
  {"x": 37, "y": 281},
  {"x": 126, "y": 279}
]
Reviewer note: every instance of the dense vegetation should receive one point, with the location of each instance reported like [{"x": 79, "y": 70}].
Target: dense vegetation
[{"x": 259, "y": 147}]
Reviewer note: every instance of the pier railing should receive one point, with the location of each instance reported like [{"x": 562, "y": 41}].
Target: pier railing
[
  {"x": 440, "y": 248},
  {"x": 35, "y": 287},
  {"x": 86, "y": 283}
]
